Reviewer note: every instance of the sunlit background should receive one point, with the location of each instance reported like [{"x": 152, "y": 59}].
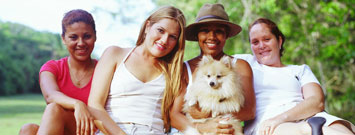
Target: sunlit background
[
  {"x": 117, "y": 22},
  {"x": 319, "y": 33}
]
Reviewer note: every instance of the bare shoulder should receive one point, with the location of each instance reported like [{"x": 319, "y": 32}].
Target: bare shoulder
[
  {"x": 193, "y": 63},
  {"x": 243, "y": 67},
  {"x": 114, "y": 53}
]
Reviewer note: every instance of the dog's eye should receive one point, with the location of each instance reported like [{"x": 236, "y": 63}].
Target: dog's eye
[
  {"x": 208, "y": 76},
  {"x": 219, "y": 76}
]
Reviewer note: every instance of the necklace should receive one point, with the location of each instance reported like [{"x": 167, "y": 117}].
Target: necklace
[{"x": 77, "y": 81}]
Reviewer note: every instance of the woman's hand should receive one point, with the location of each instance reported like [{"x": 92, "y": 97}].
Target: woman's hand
[
  {"x": 268, "y": 126},
  {"x": 196, "y": 113},
  {"x": 215, "y": 126},
  {"x": 84, "y": 120}
]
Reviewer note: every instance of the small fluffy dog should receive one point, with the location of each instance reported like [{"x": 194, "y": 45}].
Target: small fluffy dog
[{"x": 216, "y": 88}]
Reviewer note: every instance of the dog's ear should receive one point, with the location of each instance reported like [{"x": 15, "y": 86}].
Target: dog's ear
[
  {"x": 226, "y": 61},
  {"x": 206, "y": 59}
]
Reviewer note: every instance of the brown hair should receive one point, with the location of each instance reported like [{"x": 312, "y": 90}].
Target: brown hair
[
  {"x": 273, "y": 29},
  {"x": 172, "y": 63},
  {"x": 77, "y": 15}
]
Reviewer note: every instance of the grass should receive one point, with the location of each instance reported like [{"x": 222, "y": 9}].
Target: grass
[{"x": 18, "y": 110}]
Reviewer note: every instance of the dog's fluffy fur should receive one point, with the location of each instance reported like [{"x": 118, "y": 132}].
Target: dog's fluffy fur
[{"x": 216, "y": 88}]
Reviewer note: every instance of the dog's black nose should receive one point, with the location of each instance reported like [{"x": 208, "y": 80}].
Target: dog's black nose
[{"x": 212, "y": 84}]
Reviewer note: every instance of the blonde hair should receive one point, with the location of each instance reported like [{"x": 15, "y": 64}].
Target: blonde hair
[{"x": 171, "y": 64}]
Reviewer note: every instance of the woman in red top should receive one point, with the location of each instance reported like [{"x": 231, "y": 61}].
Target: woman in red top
[{"x": 66, "y": 83}]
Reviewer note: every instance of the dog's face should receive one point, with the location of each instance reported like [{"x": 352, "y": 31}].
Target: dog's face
[
  {"x": 214, "y": 78},
  {"x": 214, "y": 72}
]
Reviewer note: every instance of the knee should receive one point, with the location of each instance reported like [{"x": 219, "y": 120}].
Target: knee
[
  {"x": 29, "y": 129},
  {"x": 305, "y": 128},
  {"x": 54, "y": 109}
]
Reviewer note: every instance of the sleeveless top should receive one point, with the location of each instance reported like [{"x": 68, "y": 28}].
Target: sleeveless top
[{"x": 132, "y": 101}]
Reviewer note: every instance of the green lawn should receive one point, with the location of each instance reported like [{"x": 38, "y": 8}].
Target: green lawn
[{"x": 18, "y": 110}]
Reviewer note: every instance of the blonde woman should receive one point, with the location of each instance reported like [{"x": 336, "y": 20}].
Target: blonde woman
[{"x": 132, "y": 87}]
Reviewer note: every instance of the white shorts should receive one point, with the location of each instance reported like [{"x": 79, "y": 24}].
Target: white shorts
[
  {"x": 137, "y": 129},
  {"x": 252, "y": 127},
  {"x": 330, "y": 119}
]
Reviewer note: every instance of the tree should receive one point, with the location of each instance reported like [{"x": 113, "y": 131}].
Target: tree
[
  {"x": 318, "y": 33},
  {"x": 23, "y": 52}
]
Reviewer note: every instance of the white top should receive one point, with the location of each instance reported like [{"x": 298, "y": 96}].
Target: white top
[
  {"x": 277, "y": 89},
  {"x": 133, "y": 101}
]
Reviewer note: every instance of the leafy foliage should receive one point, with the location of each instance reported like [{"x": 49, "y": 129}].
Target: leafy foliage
[
  {"x": 23, "y": 51},
  {"x": 318, "y": 33}
]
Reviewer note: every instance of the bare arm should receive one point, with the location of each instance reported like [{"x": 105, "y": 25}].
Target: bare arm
[
  {"x": 247, "y": 112},
  {"x": 181, "y": 122},
  {"x": 178, "y": 118},
  {"x": 100, "y": 88},
  {"x": 313, "y": 103},
  {"x": 52, "y": 94}
]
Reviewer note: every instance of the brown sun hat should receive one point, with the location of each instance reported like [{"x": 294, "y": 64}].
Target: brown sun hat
[{"x": 211, "y": 13}]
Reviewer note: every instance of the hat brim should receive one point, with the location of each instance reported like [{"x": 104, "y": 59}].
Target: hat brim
[{"x": 192, "y": 29}]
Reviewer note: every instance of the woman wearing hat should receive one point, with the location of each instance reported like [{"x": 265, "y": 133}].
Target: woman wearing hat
[{"x": 211, "y": 30}]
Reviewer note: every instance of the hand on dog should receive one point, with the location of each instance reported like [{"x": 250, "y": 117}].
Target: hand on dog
[
  {"x": 216, "y": 126},
  {"x": 196, "y": 112}
]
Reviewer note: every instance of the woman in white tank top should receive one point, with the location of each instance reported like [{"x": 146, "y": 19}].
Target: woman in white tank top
[{"x": 132, "y": 88}]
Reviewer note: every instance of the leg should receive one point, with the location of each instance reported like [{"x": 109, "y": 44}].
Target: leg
[
  {"x": 303, "y": 128},
  {"x": 292, "y": 128},
  {"x": 29, "y": 129},
  {"x": 56, "y": 120},
  {"x": 338, "y": 128}
]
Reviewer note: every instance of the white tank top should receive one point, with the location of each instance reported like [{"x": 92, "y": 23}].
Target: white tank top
[{"x": 133, "y": 101}]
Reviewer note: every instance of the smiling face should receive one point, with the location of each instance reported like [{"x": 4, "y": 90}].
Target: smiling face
[
  {"x": 79, "y": 39},
  {"x": 265, "y": 46},
  {"x": 162, "y": 37},
  {"x": 212, "y": 38}
]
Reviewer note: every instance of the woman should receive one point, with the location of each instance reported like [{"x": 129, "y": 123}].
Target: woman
[
  {"x": 211, "y": 30},
  {"x": 132, "y": 99},
  {"x": 66, "y": 83},
  {"x": 286, "y": 95}
]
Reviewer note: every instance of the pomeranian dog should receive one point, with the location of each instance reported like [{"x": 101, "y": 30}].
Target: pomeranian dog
[{"x": 216, "y": 88}]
